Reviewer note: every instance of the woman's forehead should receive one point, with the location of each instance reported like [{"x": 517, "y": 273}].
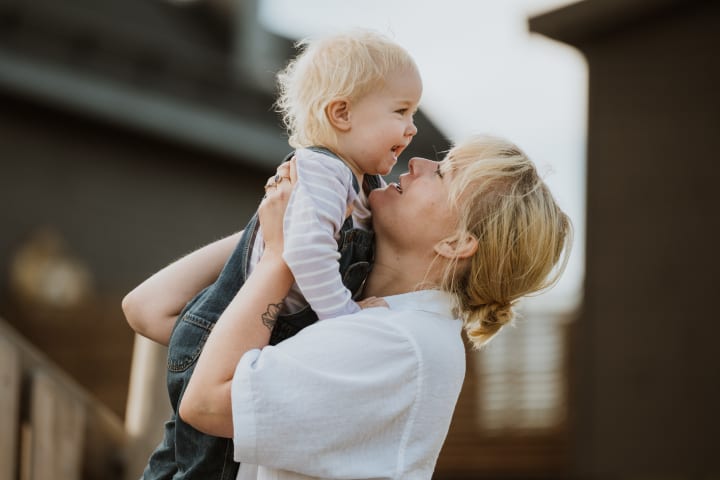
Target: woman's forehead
[{"x": 450, "y": 163}]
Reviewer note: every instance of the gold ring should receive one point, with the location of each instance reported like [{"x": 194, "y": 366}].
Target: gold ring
[{"x": 279, "y": 178}]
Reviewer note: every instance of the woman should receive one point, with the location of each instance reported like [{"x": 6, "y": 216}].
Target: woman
[{"x": 371, "y": 395}]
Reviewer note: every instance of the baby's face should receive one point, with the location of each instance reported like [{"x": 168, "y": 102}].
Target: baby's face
[{"x": 381, "y": 123}]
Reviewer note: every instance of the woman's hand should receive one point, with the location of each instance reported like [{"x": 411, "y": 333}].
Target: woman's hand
[{"x": 272, "y": 209}]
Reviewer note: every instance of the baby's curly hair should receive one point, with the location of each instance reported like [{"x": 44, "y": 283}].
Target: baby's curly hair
[
  {"x": 523, "y": 236},
  {"x": 347, "y": 65}
]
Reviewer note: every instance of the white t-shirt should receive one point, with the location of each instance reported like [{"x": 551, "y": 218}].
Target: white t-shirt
[
  {"x": 316, "y": 211},
  {"x": 363, "y": 396}
]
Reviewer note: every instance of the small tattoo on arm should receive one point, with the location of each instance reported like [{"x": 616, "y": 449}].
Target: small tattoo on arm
[{"x": 270, "y": 316}]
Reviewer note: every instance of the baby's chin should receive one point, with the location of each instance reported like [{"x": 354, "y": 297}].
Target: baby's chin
[{"x": 387, "y": 169}]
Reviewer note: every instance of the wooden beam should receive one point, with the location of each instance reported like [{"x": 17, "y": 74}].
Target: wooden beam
[
  {"x": 10, "y": 408},
  {"x": 57, "y": 420}
]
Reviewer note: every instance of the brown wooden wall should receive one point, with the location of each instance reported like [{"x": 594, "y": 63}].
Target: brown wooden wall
[
  {"x": 124, "y": 206},
  {"x": 648, "y": 377}
]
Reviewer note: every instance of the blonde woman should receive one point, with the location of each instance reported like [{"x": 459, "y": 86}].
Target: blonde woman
[{"x": 370, "y": 395}]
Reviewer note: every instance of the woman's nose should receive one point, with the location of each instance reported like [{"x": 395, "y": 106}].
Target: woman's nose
[{"x": 417, "y": 165}]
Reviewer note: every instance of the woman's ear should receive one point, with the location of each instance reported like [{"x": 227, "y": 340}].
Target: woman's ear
[
  {"x": 459, "y": 246},
  {"x": 338, "y": 113}
]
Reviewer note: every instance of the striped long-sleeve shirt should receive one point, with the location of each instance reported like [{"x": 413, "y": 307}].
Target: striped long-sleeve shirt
[{"x": 316, "y": 211}]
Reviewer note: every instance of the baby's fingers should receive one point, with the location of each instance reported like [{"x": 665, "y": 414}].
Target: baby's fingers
[{"x": 372, "y": 302}]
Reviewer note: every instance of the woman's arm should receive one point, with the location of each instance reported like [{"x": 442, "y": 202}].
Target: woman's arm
[
  {"x": 152, "y": 307},
  {"x": 245, "y": 324}
]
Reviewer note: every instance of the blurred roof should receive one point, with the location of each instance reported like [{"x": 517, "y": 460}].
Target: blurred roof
[
  {"x": 200, "y": 72},
  {"x": 578, "y": 22}
]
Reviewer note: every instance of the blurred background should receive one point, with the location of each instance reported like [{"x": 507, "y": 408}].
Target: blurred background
[{"x": 132, "y": 132}]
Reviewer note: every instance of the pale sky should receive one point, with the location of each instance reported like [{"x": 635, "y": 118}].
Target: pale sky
[{"x": 483, "y": 72}]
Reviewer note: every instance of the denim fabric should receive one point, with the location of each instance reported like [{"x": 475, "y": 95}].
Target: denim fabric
[
  {"x": 184, "y": 452},
  {"x": 356, "y": 247}
]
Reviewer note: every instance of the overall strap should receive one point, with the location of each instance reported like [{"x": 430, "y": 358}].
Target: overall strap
[{"x": 334, "y": 155}]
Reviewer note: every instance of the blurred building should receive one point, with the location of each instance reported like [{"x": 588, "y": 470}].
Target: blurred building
[
  {"x": 646, "y": 381},
  {"x": 131, "y": 132}
]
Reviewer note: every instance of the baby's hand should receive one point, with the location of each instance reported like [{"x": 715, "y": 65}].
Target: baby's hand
[{"x": 372, "y": 302}]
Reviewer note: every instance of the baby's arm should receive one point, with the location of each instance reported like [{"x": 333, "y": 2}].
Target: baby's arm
[{"x": 316, "y": 213}]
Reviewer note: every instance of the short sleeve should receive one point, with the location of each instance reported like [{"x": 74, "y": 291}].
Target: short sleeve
[{"x": 317, "y": 396}]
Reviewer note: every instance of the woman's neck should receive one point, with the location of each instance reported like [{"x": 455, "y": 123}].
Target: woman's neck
[{"x": 393, "y": 274}]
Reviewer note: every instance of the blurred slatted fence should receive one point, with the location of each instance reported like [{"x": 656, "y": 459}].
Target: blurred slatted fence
[{"x": 50, "y": 428}]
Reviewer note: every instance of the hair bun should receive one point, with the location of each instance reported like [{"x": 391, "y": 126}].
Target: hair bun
[
  {"x": 498, "y": 313},
  {"x": 485, "y": 320}
]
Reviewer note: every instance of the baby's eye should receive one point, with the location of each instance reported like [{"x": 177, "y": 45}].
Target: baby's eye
[
  {"x": 401, "y": 111},
  {"x": 438, "y": 172}
]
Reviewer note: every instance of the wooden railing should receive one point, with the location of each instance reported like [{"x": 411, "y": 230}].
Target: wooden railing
[
  {"x": 50, "y": 428},
  {"x": 147, "y": 406}
]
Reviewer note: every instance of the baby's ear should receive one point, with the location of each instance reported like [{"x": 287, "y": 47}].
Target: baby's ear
[
  {"x": 462, "y": 245},
  {"x": 338, "y": 112}
]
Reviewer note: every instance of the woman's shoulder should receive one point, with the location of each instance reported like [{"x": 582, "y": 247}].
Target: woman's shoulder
[
  {"x": 424, "y": 333},
  {"x": 435, "y": 338}
]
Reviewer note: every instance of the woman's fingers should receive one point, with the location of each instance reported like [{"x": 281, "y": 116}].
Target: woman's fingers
[
  {"x": 286, "y": 171},
  {"x": 292, "y": 170},
  {"x": 273, "y": 206}
]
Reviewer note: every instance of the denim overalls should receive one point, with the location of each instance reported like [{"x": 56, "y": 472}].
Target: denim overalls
[{"x": 186, "y": 453}]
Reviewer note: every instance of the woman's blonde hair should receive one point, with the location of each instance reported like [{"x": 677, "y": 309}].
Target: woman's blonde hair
[
  {"x": 345, "y": 66},
  {"x": 523, "y": 236}
]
